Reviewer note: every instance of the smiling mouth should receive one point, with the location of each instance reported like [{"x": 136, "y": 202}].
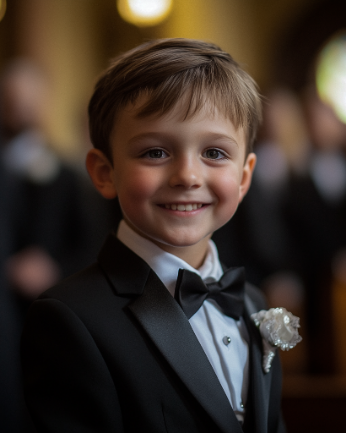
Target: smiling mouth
[{"x": 184, "y": 207}]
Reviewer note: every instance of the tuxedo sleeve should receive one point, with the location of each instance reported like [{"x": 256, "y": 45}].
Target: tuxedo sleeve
[{"x": 67, "y": 385}]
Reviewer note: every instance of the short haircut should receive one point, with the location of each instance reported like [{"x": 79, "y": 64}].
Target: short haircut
[{"x": 170, "y": 70}]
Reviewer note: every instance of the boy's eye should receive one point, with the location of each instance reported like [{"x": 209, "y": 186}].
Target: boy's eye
[
  {"x": 155, "y": 154},
  {"x": 213, "y": 154}
]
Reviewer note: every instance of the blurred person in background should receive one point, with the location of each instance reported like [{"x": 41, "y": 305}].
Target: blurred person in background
[
  {"x": 316, "y": 216},
  {"x": 52, "y": 241},
  {"x": 46, "y": 210}
]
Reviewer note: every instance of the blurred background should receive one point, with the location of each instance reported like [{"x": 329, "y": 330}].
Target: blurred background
[{"x": 289, "y": 232}]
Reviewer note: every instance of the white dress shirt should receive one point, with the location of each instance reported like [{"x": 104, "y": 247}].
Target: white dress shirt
[{"x": 223, "y": 339}]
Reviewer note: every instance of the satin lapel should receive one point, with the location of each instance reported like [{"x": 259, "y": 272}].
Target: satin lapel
[
  {"x": 126, "y": 271},
  {"x": 167, "y": 326},
  {"x": 260, "y": 382}
]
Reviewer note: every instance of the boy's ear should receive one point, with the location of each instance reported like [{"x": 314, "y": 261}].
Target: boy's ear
[
  {"x": 248, "y": 169},
  {"x": 101, "y": 171}
]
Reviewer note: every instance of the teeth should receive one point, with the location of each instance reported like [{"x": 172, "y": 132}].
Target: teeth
[{"x": 184, "y": 207}]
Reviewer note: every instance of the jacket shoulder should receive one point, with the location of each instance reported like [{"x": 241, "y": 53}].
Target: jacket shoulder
[{"x": 85, "y": 287}]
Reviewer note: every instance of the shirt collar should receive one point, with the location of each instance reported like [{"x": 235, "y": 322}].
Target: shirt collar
[{"x": 167, "y": 265}]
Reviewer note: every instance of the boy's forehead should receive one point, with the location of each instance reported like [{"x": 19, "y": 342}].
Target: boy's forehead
[{"x": 182, "y": 110}]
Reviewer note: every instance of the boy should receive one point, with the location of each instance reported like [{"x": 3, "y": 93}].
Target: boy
[{"x": 110, "y": 349}]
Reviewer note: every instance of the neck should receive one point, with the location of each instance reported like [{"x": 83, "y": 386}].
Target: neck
[{"x": 194, "y": 255}]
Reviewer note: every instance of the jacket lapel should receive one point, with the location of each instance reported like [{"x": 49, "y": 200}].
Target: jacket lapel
[
  {"x": 124, "y": 269},
  {"x": 260, "y": 383},
  {"x": 180, "y": 347},
  {"x": 167, "y": 326}
]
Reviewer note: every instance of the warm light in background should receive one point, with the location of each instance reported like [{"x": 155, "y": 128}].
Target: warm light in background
[
  {"x": 331, "y": 75},
  {"x": 144, "y": 12},
  {"x": 2, "y": 9}
]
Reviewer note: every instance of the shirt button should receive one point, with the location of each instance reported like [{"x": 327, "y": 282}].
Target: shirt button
[
  {"x": 241, "y": 405},
  {"x": 226, "y": 340}
]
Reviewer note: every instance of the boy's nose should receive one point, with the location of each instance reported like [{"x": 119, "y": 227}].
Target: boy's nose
[{"x": 186, "y": 174}]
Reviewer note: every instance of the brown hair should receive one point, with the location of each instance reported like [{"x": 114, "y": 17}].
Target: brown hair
[{"x": 168, "y": 70}]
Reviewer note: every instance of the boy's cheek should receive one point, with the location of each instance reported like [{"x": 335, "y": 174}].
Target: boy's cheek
[
  {"x": 227, "y": 189},
  {"x": 138, "y": 185},
  {"x": 141, "y": 190},
  {"x": 228, "y": 201}
]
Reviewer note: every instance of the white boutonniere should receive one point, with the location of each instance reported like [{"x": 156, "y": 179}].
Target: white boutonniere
[{"x": 278, "y": 328}]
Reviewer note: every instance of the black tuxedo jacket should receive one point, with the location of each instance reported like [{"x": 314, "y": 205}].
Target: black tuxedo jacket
[{"x": 110, "y": 350}]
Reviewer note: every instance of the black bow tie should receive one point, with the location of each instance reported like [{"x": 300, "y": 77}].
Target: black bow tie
[{"x": 191, "y": 292}]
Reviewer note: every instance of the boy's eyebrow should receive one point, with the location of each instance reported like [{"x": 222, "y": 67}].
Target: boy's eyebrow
[
  {"x": 147, "y": 135},
  {"x": 208, "y": 135},
  {"x": 219, "y": 136}
]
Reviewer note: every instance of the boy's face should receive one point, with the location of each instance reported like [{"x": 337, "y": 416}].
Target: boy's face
[{"x": 178, "y": 180}]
